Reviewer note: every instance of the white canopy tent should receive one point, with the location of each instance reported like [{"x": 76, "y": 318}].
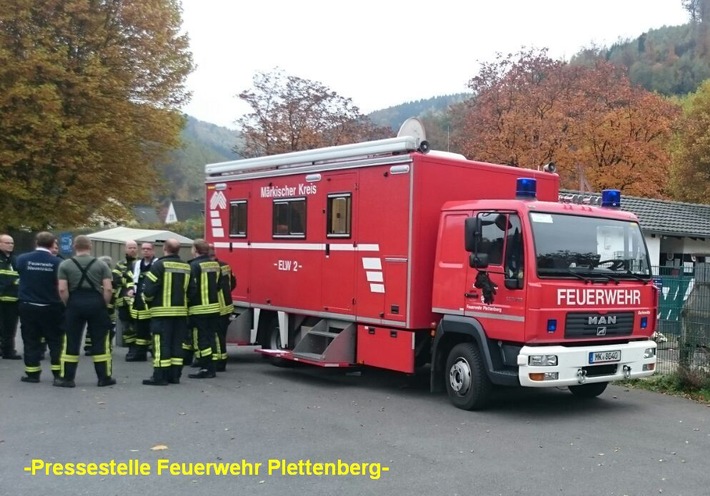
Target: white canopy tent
[{"x": 111, "y": 241}]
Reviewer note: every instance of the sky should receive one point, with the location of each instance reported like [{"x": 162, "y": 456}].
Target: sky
[{"x": 381, "y": 53}]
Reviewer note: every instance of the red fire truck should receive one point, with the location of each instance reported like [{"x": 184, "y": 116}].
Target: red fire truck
[{"x": 384, "y": 254}]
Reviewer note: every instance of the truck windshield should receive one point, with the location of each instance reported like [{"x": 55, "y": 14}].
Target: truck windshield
[{"x": 577, "y": 246}]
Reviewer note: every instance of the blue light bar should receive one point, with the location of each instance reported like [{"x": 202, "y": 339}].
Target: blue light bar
[
  {"x": 644, "y": 322},
  {"x": 526, "y": 187},
  {"x": 611, "y": 198}
]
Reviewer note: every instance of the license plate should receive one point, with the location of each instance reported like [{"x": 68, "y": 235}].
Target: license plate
[{"x": 604, "y": 356}]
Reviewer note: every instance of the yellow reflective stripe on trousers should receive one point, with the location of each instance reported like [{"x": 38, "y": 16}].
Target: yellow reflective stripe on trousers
[
  {"x": 31, "y": 370},
  {"x": 64, "y": 352},
  {"x": 156, "y": 350}
]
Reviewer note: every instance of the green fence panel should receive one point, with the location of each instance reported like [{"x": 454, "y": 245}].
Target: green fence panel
[{"x": 676, "y": 285}]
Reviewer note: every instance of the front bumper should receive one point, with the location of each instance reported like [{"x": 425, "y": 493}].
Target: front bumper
[{"x": 573, "y": 364}]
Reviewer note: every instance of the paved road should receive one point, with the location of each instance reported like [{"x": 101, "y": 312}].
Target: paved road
[{"x": 627, "y": 442}]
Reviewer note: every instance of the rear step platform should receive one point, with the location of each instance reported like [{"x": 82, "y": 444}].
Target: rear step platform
[{"x": 307, "y": 358}]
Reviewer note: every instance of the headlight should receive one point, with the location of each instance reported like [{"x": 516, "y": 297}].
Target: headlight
[
  {"x": 542, "y": 360},
  {"x": 649, "y": 352}
]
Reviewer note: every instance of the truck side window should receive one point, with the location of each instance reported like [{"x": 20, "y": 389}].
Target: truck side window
[
  {"x": 514, "y": 249},
  {"x": 339, "y": 215},
  {"x": 289, "y": 218},
  {"x": 238, "y": 218},
  {"x": 493, "y": 236}
]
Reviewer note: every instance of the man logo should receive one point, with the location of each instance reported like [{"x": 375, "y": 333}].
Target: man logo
[
  {"x": 601, "y": 331},
  {"x": 601, "y": 319}
]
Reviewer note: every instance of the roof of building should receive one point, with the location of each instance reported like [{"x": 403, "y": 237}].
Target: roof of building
[
  {"x": 671, "y": 218},
  {"x": 186, "y": 210},
  {"x": 145, "y": 214},
  {"x": 123, "y": 234}
]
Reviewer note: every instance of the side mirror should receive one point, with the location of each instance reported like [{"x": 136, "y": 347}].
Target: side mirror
[
  {"x": 478, "y": 260},
  {"x": 472, "y": 233}
]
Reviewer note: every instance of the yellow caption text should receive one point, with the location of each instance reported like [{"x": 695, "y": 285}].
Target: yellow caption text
[{"x": 243, "y": 468}]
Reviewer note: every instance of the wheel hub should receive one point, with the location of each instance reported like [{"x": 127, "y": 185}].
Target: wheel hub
[{"x": 460, "y": 376}]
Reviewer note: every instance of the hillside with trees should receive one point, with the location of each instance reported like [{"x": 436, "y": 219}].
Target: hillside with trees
[
  {"x": 630, "y": 139},
  {"x": 183, "y": 173}
]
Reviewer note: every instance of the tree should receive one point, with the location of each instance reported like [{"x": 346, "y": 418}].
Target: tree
[
  {"x": 693, "y": 8},
  {"x": 89, "y": 94},
  {"x": 690, "y": 174},
  {"x": 590, "y": 120},
  {"x": 291, "y": 114}
]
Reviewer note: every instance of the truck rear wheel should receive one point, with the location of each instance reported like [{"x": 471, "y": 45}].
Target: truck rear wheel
[
  {"x": 588, "y": 390},
  {"x": 273, "y": 336},
  {"x": 273, "y": 342},
  {"x": 467, "y": 383}
]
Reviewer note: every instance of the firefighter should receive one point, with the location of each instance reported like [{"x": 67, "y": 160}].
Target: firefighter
[
  {"x": 165, "y": 293},
  {"x": 86, "y": 290},
  {"x": 203, "y": 306},
  {"x": 40, "y": 308},
  {"x": 111, "y": 307},
  {"x": 9, "y": 280},
  {"x": 139, "y": 310},
  {"x": 124, "y": 298},
  {"x": 226, "y": 308},
  {"x": 116, "y": 281}
]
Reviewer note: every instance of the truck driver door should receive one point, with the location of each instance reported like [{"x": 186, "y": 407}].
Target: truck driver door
[{"x": 502, "y": 241}]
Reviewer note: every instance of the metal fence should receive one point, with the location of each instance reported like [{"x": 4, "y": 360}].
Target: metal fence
[{"x": 684, "y": 319}]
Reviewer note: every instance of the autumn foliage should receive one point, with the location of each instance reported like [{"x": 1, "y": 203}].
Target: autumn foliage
[
  {"x": 291, "y": 114},
  {"x": 599, "y": 129},
  {"x": 690, "y": 177},
  {"x": 90, "y": 93}
]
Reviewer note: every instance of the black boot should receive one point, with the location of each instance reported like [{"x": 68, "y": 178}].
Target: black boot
[
  {"x": 31, "y": 377},
  {"x": 131, "y": 353},
  {"x": 65, "y": 383},
  {"x": 158, "y": 378},
  {"x": 140, "y": 354},
  {"x": 175, "y": 374},
  {"x": 206, "y": 372},
  {"x": 67, "y": 379},
  {"x": 102, "y": 369},
  {"x": 221, "y": 365}
]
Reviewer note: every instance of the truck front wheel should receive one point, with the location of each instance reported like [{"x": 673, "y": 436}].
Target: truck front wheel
[
  {"x": 467, "y": 383},
  {"x": 588, "y": 390}
]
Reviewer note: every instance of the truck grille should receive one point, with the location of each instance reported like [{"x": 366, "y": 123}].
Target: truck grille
[{"x": 597, "y": 325}]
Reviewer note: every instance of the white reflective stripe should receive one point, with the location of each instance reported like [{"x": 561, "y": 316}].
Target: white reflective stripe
[
  {"x": 371, "y": 264},
  {"x": 298, "y": 246},
  {"x": 304, "y": 247},
  {"x": 350, "y": 247},
  {"x": 217, "y": 222},
  {"x": 218, "y": 233},
  {"x": 214, "y": 213},
  {"x": 377, "y": 288},
  {"x": 374, "y": 277},
  {"x": 496, "y": 316}
]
